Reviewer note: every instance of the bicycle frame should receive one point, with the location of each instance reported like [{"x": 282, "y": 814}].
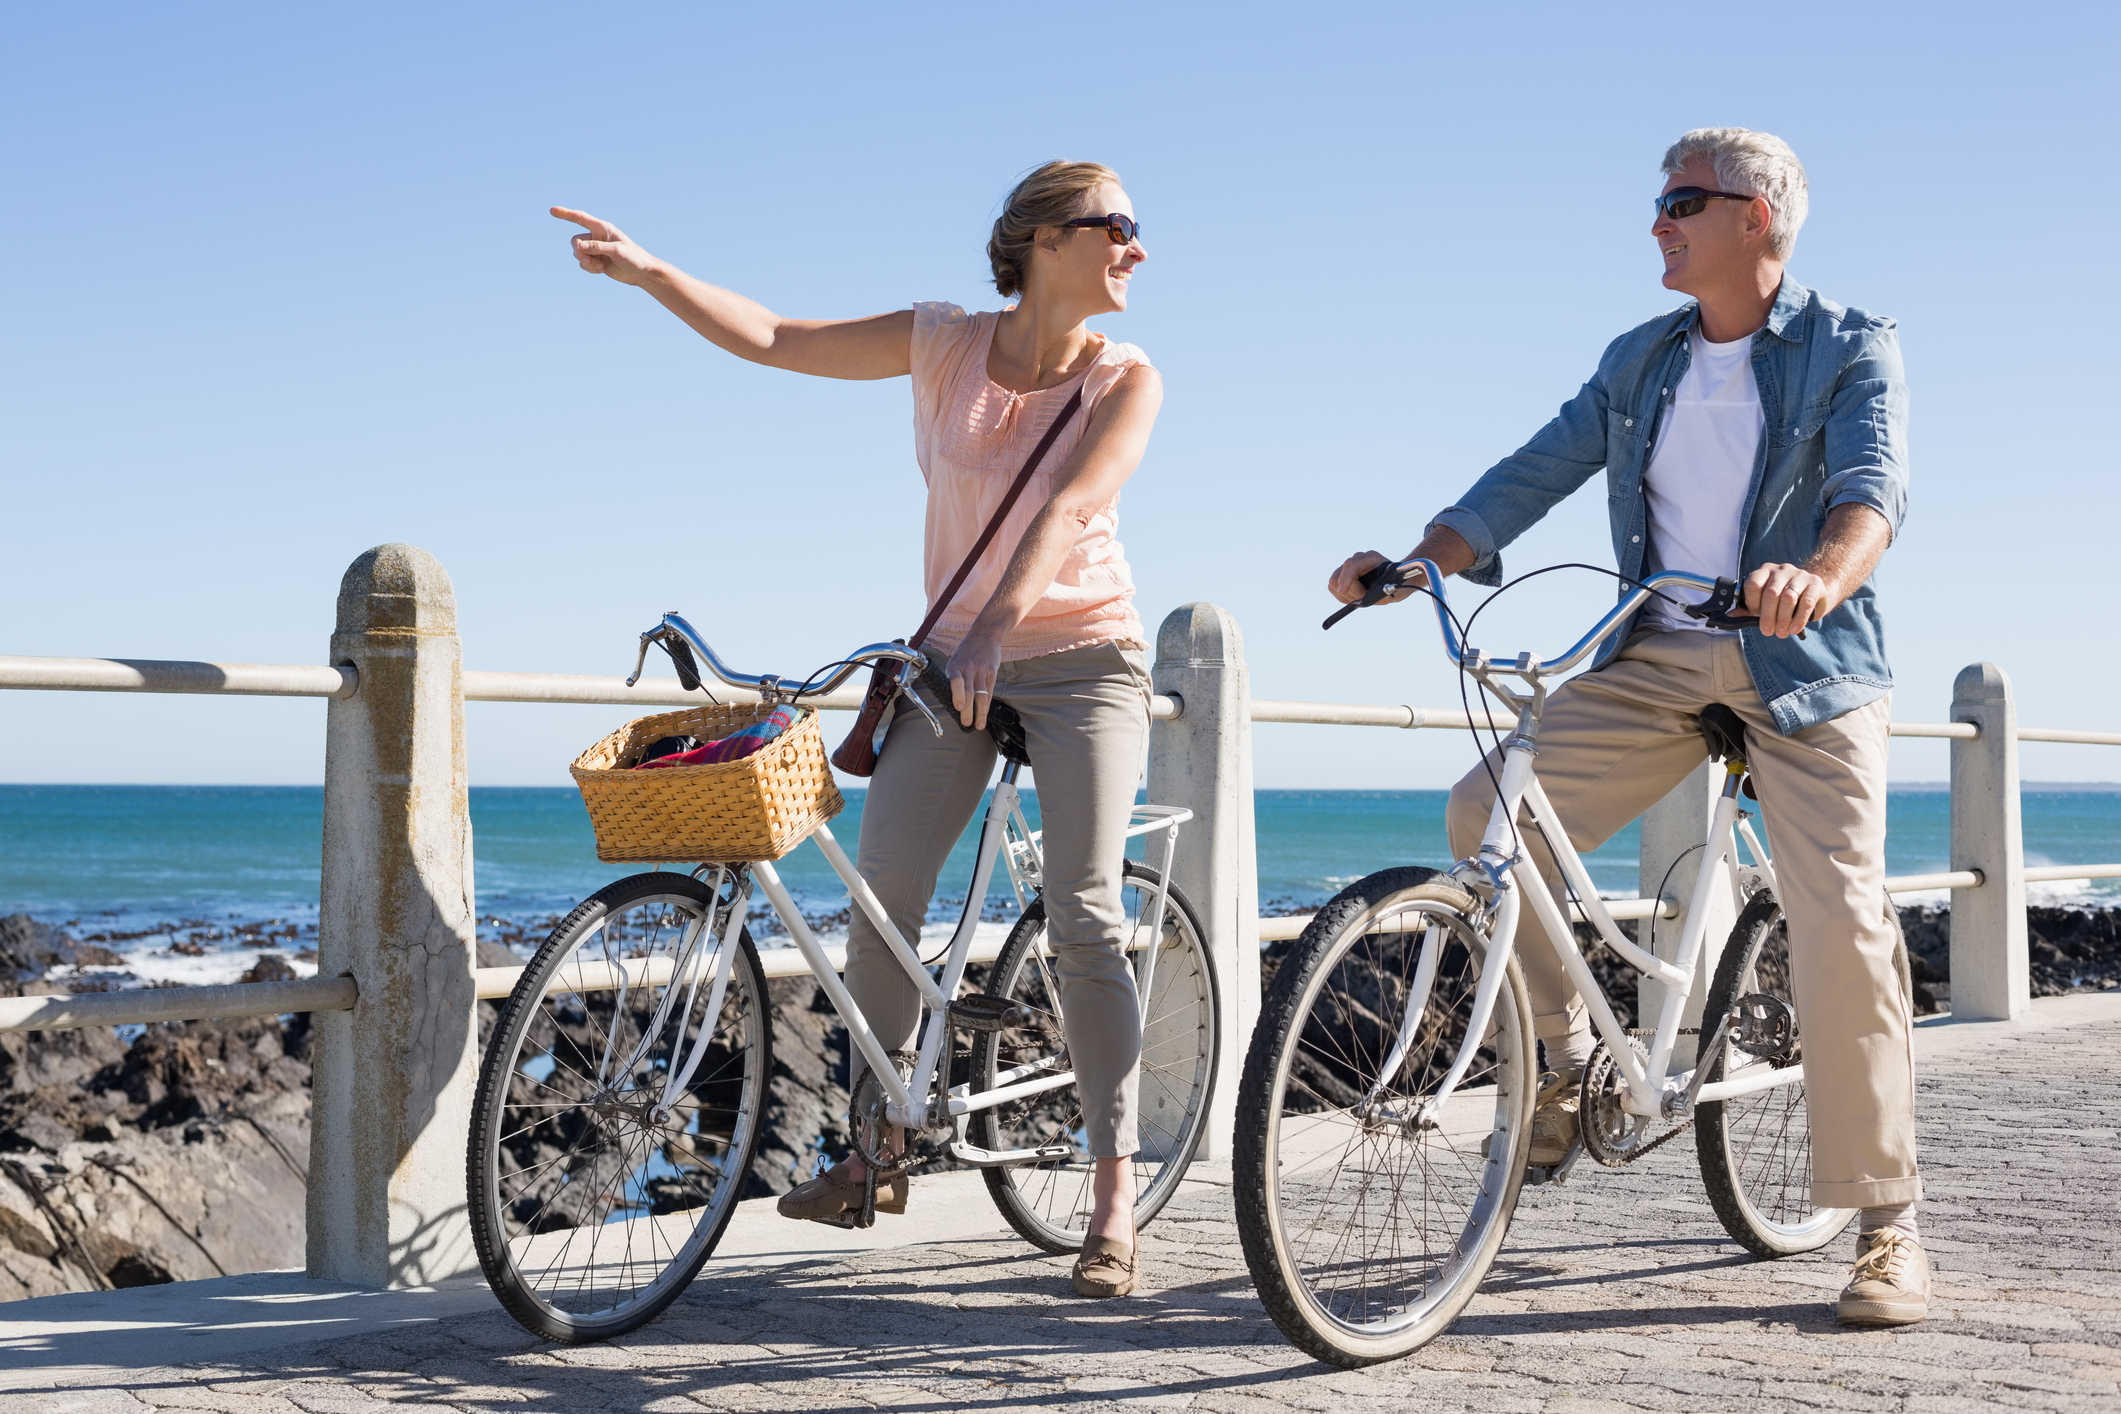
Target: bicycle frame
[
  {"x": 1004, "y": 825},
  {"x": 1005, "y": 834},
  {"x": 1494, "y": 876}
]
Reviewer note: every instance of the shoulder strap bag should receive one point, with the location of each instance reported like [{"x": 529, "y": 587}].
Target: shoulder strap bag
[{"x": 857, "y": 754}]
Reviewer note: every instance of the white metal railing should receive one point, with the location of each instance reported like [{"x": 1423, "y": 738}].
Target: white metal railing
[
  {"x": 150, "y": 1004},
  {"x": 312, "y": 680},
  {"x": 309, "y": 680}
]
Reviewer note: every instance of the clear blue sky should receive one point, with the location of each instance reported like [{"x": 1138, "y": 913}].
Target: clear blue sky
[{"x": 282, "y": 287}]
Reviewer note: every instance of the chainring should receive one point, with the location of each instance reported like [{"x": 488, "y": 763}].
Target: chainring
[{"x": 1611, "y": 1135}]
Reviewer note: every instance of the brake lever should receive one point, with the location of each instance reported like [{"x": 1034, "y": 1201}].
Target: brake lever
[
  {"x": 1715, "y": 611},
  {"x": 1377, "y": 583},
  {"x": 905, "y": 675}
]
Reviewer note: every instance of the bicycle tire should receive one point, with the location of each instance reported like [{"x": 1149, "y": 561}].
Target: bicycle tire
[
  {"x": 1048, "y": 1204},
  {"x": 1358, "y": 1308},
  {"x": 595, "y": 1156},
  {"x": 1755, "y": 1150}
]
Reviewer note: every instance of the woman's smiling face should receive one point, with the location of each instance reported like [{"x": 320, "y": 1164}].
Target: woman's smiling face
[{"x": 1088, "y": 265}]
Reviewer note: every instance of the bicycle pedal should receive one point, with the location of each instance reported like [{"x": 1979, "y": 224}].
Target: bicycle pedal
[
  {"x": 849, "y": 1219},
  {"x": 976, "y": 1011}
]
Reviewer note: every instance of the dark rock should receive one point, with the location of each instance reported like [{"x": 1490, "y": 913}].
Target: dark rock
[
  {"x": 806, "y": 1100},
  {"x": 492, "y": 954},
  {"x": 2073, "y": 949},
  {"x": 271, "y": 967},
  {"x": 37, "y": 1060},
  {"x": 29, "y": 949},
  {"x": 133, "y": 1269},
  {"x": 36, "y": 1130}
]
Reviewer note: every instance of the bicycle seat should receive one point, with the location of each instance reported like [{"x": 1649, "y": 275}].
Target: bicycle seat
[
  {"x": 1724, "y": 732},
  {"x": 1007, "y": 729}
]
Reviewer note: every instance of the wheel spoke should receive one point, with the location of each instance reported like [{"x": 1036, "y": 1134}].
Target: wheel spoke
[
  {"x": 574, "y": 1143},
  {"x": 1367, "y": 1217},
  {"x": 1050, "y": 1202}
]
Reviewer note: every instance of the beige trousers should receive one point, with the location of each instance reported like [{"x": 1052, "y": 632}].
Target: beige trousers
[
  {"x": 1612, "y": 743},
  {"x": 1086, "y": 719}
]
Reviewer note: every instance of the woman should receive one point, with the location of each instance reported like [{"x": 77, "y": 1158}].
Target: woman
[{"x": 1045, "y": 621}]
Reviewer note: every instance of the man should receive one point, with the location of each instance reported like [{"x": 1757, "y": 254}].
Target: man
[{"x": 1757, "y": 433}]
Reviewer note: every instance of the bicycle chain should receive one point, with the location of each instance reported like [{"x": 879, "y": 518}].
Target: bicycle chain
[
  {"x": 1663, "y": 1139},
  {"x": 1660, "y": 1141}
]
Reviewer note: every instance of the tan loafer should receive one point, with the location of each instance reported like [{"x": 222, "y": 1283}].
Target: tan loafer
[
  {"x": 836, "y": 1191},
  {"x": 1891, "y": 1283},
  {"x": 1104, "y": 1268}
]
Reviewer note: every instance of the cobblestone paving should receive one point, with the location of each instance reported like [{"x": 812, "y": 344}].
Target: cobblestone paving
[{"x": 1616, "y": 1292}]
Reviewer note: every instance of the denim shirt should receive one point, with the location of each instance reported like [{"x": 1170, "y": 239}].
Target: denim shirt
[{"x": 1835, "y": 407}]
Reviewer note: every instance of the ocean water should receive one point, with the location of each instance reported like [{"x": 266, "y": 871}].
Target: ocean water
[{"x": 231, "y": 870}]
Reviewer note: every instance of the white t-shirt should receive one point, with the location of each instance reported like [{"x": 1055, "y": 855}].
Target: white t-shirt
[{"x": 1700, "y": 471}]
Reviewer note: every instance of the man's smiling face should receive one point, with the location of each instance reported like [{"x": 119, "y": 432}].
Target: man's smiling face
[{"x": 1714, "y": 244}]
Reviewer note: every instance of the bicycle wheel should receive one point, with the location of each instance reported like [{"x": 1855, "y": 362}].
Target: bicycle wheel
[
  {"x": 1365, "y": 1234},
  {"x": 1756, "y": 1150},
  {"x": 1049, "y": 1203},
  {"x": 597, "y": 1189}
]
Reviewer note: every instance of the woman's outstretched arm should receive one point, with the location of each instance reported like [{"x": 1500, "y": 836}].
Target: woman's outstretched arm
[
  {"x": 877, "y": 347},
  {"x": 1103, "y": 460}
]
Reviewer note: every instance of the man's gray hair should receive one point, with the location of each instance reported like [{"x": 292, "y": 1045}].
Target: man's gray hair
[{"x": 1756, "y": 164}]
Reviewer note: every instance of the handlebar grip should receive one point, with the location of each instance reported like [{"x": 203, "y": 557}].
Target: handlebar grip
[
  {"x": 681, "y": 659},
  {"x": 1715, "y": 611},
  {"x": 1384, "y": 577}
]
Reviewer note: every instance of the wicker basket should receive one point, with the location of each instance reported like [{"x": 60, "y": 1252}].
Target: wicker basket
[{"x": 757, "y": 807}]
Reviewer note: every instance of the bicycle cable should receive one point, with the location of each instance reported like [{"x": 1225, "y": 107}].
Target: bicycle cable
[{"x": 1465, "y": 639}]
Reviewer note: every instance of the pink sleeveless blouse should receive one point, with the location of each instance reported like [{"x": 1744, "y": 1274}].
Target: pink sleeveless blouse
[{"x": 972, "y": 437}]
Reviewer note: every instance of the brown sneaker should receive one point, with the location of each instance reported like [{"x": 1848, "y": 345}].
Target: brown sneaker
[
  {"x": 1105, "y": 1268},
  {"x": 836, "y": 1191},
  {"x": 1891, "y": 1283}
]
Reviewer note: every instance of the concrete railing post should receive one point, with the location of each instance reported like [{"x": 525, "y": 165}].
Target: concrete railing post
[
  {"x": 1990, "y": 978},
  {"x": 1203, "y": 760},
  {"x": 1672, "y": 832},
  {"x": 393, "y": 1077}
]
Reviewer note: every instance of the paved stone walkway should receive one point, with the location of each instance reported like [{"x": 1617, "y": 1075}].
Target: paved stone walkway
[{"x": 1617, "y": 1292}]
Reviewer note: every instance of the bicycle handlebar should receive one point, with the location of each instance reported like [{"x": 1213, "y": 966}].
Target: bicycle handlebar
[
  {"x": 1386, "y": 577},
  {"x": 681, "y": 640}
]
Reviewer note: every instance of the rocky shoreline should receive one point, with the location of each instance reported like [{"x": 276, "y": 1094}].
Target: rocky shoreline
[{"x": 182, "y": 1151}]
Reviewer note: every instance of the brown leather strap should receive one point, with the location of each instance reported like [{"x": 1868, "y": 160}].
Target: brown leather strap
[{"x": 986, "y": 537}]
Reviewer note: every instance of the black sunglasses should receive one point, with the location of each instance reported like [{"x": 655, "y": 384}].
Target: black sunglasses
[
  {"x": 1682, "y": 202},
  {"x": 1123, "y": 229}
]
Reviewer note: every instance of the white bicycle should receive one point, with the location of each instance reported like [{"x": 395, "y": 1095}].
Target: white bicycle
[
  {"x": 620, "y": 1103},
  {"x": 1393, "y": 1071}
]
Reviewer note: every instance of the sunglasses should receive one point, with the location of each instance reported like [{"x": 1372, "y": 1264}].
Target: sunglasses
[
  {"x": 1123, "y": 229},
  {"x": 1682, "y": 202}
]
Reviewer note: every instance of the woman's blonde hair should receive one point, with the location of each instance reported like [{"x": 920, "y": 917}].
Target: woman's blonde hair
[{"x": 1050, "y": 195}]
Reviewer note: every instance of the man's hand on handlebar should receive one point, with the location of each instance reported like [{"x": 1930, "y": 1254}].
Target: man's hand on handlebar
[
  {"x": 1345, "y": 583},
  {"x": 1787, "y": 598},
  {"x": 1446, "y": 548}
]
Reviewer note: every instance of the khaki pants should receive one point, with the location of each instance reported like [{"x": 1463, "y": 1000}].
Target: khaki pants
[
  {"x": 1613, "y": 743},
  {"x": 1086, "y": 719}
]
